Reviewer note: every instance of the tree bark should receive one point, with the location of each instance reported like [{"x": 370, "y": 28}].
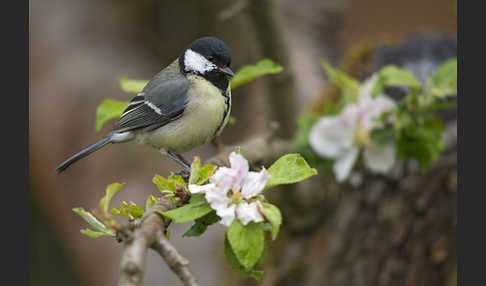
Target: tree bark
[
  {"x": 385, "y": 231},
  {"x": 149, "y": 232}
]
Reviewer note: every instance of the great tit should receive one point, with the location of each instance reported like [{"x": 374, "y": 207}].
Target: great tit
[{"x": 185, "y": 105}]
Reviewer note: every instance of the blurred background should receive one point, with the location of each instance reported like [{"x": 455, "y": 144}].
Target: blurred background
[{"x": 79, "y": 49}]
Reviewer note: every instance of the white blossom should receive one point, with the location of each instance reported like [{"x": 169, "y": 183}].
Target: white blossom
[
  {"x": 247, "y": 212},
  {"x": 230, "y": 190},
  {"x": 341, "y": 137}
]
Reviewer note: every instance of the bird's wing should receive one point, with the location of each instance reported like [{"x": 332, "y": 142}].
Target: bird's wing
[{"x": 156, "y": 106}]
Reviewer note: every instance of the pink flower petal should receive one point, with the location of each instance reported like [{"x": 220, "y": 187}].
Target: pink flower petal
[
  {"x": 240, "y": 165},
  {"x": 332, "y": 136},
  {"x": 226, "y": 213},
  {"x": 342, "y": 166},
  {"x": 224, "y": 178},
  {"x": 371, "y": 108},
  {"x": 196, "y": 189},
  {"x": 248, "y": 212},
  {"x": 254, "y": 183},
  {"x": 217, "y": 196}
]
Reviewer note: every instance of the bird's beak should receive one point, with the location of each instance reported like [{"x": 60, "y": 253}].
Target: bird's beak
[{"x": 227, "y": 71}]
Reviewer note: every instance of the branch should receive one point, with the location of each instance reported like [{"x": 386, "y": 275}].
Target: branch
[
  {"x": 177, "y": 263},
  {"x": 148, "y": 232},
  {"x": 233, "y": 10},
  {"x": 138, "y": 237}
]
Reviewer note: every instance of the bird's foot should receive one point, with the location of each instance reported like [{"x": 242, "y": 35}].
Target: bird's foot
[{"x": 184, "y": 173}]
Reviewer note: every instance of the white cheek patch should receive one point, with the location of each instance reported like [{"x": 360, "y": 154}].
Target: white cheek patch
[{"x": 196, "y": 62}]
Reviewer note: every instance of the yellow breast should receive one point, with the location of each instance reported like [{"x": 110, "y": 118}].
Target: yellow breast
[{"x": 204, "y": 117}]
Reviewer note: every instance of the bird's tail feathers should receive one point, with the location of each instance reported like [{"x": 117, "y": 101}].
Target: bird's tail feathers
[{"x": 83, "y": 153}]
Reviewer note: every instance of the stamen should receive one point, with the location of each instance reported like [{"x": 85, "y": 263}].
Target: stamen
[{"x": 236, "y": 197}]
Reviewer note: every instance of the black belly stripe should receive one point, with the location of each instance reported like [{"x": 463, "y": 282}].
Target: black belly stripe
[{"x": 227, "y": 103}]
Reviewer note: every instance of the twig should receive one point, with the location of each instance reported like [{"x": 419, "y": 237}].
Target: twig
[
  {"x": 177, "y": 263},
  {"x": 233, "y": 10},
  {"x": 137, "y": 238}
]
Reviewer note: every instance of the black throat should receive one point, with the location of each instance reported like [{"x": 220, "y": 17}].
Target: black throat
[{"x": 218, "y": 79}]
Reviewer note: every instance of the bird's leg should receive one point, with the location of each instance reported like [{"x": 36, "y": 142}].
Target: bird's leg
[
  {"x": 179, "y": 159},
  {"x": 186, "y": 171},
  {"x": 183, "y": 160}
]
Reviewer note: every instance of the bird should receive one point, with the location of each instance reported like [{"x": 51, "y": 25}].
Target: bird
[{"x": 183, "y": 106}]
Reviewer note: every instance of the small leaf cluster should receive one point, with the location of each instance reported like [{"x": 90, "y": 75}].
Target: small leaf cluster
[
  {"x": 104, "y": 222},
  {"x": 100, "y": 219},
  {"x": 417, "y": 128}
]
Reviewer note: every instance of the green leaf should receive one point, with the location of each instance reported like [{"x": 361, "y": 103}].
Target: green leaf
[
  {"x": 163, "y": 184},
  {"x": 273, "y": 215},
  {"x": 257, "y": 274},
  {"x": 263, "y": 257},
  {"x": 108, "y": 110},
  {"x": 231, "y": 256},
  {"x": 135, "y": 211},
  {"x": 383, "y": 136},
  {"x": 204, "y": 173},
  {"x": 196, "y": 208},
  {"x": 195, "y": 166},
  {"x": 199, "y": 174},
  {"x": 231, "y": 120},
  {"x": 170, "y": 183},
  {"x": 196, "y": 229},
  {"x": 289, "y": 169},
  {"x": 305, "y": 122},
  {"x": 392, "y": 75},
  {"x": 177, "y": 181},
  {"x": 91, "y": 219},
  {"x": 116, "y": 211},
  {"x": 197, "y": 199},
  {"x": 247, "y": 242},
  {"x": 202, "y": 223},
  {"x": 150, "y": 202},
  {"x": 348, "y": 85},
  {"x": 95, "y": 234},
  {"x": 235, "y": 264},
  {"x": 251, "y": 72},
  {"x": 129, "y": 210},
  {"x": 444, "y": 81},
  {"x": 132, "y": 85},
  {"x": 421, "y": 141},
  {"x": 266, "y": 226},
  {"x": 111, "y": 190}
]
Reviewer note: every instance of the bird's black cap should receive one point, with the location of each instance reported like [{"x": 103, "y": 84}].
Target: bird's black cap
[
  {"x": 218, "y": 53},
  {"x": 211, "y": 47}
]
